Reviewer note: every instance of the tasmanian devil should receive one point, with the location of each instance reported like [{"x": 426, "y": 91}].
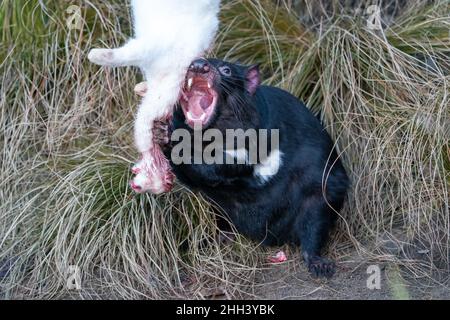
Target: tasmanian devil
[{"x": 290, "y": 195}]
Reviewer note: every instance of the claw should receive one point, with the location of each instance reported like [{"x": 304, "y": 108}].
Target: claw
[{"x": 321, "y": 267}]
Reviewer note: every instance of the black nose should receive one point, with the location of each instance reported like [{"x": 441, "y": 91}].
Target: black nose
[{"x": 200, "y": 66}]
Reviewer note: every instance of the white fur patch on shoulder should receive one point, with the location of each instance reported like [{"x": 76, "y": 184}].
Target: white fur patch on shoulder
[
  {"x": 269, "y": 167},
  {"x": 240, "y": 155}
]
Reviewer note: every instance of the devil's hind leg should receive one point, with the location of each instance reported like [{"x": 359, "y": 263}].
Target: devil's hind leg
[{"x": 314, "y": 225}]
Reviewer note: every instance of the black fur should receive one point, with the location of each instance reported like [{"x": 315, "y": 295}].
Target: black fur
[{"x": 299, "y": 204}]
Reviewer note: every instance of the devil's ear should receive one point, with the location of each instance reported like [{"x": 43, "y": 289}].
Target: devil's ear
[{"x": 253, "y": 79}]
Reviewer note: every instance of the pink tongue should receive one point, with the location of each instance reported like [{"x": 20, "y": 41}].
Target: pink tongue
[
  {"x": 195, "y": 106},
  {"x": 206, "y": 101}
]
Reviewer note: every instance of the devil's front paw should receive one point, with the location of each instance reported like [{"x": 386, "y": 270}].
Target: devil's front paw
[
  {"x": 321, "y": 267},
  {"x": 161, "y": 133}
]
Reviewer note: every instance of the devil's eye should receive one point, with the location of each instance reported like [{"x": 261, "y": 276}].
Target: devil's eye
[{"x": 226, "y": 71}]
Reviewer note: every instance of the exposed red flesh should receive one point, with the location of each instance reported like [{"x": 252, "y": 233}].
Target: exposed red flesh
[{"x": 279, "y": 257}]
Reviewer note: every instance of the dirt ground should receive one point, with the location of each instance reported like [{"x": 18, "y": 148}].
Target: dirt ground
[{"x": 292, "y": 281}]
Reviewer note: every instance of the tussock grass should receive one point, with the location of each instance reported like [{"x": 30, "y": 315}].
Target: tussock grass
[{"x": 66, "y": 146}]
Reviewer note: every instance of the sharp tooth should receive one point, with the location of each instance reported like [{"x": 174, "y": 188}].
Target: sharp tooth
[
  {"x": 191, "y": 117},
  {"x": 209, "y": 85},
  {"x": 190, "y": 82}
]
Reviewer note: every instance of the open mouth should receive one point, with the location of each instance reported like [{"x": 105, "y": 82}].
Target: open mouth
[{"x": 198, "y": 99}]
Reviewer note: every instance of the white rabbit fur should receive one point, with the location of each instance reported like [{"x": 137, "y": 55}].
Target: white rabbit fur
[{"x": 169, "y": 35}]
